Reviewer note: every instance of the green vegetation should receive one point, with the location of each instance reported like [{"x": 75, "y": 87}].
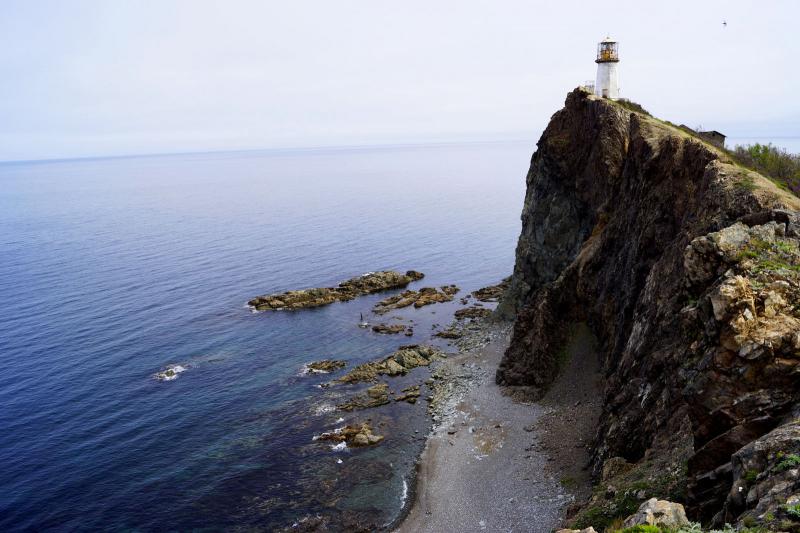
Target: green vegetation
[
  {"x": 772, "y": 256},
  {"x": 692, "y": 527},
  {"x": 746, "y": 182},
  {"x": 645, "y": 481},
  {"x": 750, "y": 476},
  {"x": 632, "y": 106},
  {"x": 641, "y": 529},
  {"x": 793, "y": 511},
  {"x": 568, "y": 482},
  {"x": 775, "y": 163},
  {"x": 789, "y": 461}
]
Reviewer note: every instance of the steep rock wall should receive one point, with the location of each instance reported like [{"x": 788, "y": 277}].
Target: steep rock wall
[{"x": 618, "y": 231}]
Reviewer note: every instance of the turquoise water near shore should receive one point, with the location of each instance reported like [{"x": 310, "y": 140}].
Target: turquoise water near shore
[{"x": 113, "y": 269}]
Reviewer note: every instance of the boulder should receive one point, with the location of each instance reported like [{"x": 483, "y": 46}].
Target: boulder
[{"x": 656, "y": 512}]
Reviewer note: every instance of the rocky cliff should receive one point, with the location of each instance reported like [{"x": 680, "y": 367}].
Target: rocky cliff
[{"x": 686, "y": 268}]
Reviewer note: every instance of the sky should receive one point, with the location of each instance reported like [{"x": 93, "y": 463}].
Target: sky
[{"x": 115, "y": 77}]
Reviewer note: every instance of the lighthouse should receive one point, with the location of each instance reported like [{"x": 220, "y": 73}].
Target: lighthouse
[{"x": 607, "y": 84}]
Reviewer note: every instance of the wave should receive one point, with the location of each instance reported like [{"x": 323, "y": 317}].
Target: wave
[{"x": 170, "y": 373}]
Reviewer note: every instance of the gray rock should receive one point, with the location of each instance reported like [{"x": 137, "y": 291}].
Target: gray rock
[{"x": 656, "y": 512}]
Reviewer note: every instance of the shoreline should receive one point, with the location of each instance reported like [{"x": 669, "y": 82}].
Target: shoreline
[{"x": 493, "y": 460}]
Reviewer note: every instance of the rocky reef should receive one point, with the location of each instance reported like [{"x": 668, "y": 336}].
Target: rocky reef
[
  {"x": 493, "y": 293},
  {"x": 472, "y": 312},
  {"x": 420, "y": 298},
  {"x": 685, "y": 267},
  {"x": 398, "y": 363},
  {"x": 389, "y": 329},
  {"x": 368, "y": 283},
  {"x": 324, "y": 366},
  {"x": 354, "y": 435}
]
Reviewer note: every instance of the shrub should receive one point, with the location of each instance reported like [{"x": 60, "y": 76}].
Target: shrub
[
  {"x": 641, "y": 529},
  {"x": 789, "y": 461},
  {"x": 776, "y": 163},
  {"x": 750, "y": 476},
  {"x": 793, "y": 511}
]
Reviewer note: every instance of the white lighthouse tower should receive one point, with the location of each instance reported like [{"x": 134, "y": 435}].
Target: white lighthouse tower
[{"x": 607, "y": 84}]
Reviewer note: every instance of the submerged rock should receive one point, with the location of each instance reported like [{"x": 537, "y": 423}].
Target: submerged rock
[
  {"x": 324, "y": 366},
  {"x": 355, "y": 436},
  {"x": 409, "y": 394},
  {"x": 373, "y": 397},
  {"x": 420, "y": 298},
  {"x": 170, "y": 373},
  {"x": 398, "y": 363},
  {"x": 449, "y": 333},
  {"x": 368, "y": 283}
]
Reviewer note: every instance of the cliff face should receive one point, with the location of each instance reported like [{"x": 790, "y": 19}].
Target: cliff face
[{"x": 685, "y": 267}]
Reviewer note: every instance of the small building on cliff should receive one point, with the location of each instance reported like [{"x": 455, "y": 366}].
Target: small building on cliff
[
  {"x": 714, "y": 137},
  {"x": 607, "y": 84}
]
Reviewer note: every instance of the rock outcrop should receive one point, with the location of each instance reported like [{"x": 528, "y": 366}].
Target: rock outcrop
[
  {"x": 398, "y": 363},
  {"x": 374, "y": 396},
  {"x": 324, "y": 366},
  {"x": 424, "y": 296},
  {"x": 388, "y": 329},
  {"x": 493, "y": 293},
  {"x": 472, "y": 312},
  {"x": 354, "y": 435},
  {"x": 368, "y": 283},
  {"x": 686, "y": 268},
  {"x": 661, "y": 513}
]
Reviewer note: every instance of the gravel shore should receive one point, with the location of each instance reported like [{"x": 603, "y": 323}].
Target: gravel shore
[{"x": 485, "y": 467}]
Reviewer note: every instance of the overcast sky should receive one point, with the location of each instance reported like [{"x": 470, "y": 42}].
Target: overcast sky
[{"x": 105, "y": 77}]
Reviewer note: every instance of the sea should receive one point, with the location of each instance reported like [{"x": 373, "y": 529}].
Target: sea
[{"x": 115, "y": 269}]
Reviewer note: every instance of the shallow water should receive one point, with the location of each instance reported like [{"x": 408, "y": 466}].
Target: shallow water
[{"x": 113, "y": 270}]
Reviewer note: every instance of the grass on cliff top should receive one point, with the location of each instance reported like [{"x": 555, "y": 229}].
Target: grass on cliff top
[{"x": 774, "y": 170}]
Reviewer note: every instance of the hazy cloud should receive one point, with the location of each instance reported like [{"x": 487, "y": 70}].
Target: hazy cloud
[{"x": 117, "y": 77}]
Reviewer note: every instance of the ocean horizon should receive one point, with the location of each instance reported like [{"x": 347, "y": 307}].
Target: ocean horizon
[{"x": 789, "y": 143}]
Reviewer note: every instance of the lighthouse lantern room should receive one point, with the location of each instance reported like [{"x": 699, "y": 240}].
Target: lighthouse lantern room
[{"x": 607, "y": 84}]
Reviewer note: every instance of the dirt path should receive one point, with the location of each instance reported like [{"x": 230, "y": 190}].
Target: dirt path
[{"x": 488, "y": 468}]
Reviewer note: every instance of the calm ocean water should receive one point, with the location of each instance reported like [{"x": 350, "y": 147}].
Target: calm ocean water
[{"x": 111, "y": 269}]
